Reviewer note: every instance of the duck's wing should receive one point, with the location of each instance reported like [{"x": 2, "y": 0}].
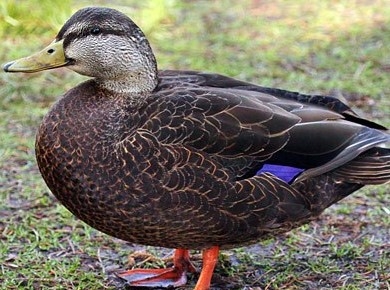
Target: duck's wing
[{"x": 232, "y": 124}]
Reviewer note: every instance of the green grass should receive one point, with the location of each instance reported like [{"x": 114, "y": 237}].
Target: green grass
[{"x": 327, "y": 47}]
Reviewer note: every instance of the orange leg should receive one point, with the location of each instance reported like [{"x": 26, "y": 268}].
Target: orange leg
[
  {"x": 210, "y": 259},
  {"x": 165, "y": 278}
]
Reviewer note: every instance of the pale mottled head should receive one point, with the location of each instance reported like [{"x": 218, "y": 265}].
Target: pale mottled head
[{"x": 102, "y": 43}]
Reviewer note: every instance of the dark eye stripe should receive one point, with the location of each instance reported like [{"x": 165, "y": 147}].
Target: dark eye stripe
[{"x": 88, "y": 32}]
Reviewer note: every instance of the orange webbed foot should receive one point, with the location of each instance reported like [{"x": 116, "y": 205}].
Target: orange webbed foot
[
  {"x": 163, "y": 278},
  {"x": 176, "y": 276},
  {"x": 173, "y": 277}
]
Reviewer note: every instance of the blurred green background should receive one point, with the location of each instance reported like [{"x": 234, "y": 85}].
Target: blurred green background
[{"x": 340, "y": 48}]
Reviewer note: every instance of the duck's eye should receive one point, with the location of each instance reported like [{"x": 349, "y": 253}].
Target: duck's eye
[{"x": 95, "y": 30}]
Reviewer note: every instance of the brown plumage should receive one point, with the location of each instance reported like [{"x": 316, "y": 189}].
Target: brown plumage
[{"x": 179, "y": 159}]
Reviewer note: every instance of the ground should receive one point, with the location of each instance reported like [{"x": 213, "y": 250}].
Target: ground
[{"x": 338, "y": 48}]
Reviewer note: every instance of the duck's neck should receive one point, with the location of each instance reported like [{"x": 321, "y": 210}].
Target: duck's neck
[{"x": 139, "y": 83}]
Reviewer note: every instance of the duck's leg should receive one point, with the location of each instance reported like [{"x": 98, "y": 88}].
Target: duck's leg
[
  {"x": 210, "y": 259},
  {"x": 173, "y": 277}
]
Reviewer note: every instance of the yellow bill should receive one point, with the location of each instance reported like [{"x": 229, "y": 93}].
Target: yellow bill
[{"x": 50, "y": 57}]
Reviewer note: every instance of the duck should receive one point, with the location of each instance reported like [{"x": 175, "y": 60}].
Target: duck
[{"x": 190, "y": 160}]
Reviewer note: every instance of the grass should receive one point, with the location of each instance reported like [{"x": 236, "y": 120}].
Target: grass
[{"x": 327, "y": 47}]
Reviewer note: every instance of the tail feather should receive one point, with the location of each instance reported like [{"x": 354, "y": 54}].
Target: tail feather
[
  {"x": 371, "y": 167},
  {"x": 361, "y": 146}
]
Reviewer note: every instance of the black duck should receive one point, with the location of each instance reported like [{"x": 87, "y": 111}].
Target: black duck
[{"x": 190, "y": 160}]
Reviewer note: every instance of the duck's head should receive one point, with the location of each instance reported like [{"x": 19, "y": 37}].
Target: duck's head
[{"x": 102, "y": 43}]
